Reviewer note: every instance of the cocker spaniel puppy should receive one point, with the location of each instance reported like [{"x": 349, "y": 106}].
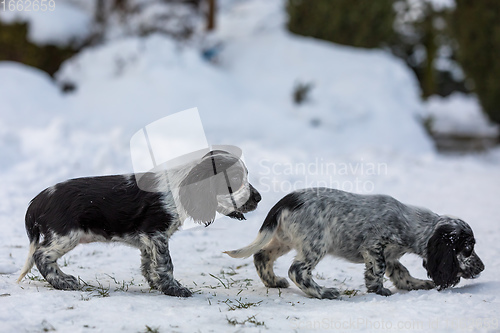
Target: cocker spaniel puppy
[
  {"x": 139, "y": 210},
  {"x": 372, "y": 229}
]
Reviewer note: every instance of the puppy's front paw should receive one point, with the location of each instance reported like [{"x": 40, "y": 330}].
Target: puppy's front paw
[
  {"x": 68, "y": 282},
  {"x": 282, "y": 283},
  {"x": 277, "y": 283},
  {"x": 383, "y": 292},
  {"x": 330, "y": 293},
  {"x": 428, "y": 284},
  {"x": 178, "y": 291}
]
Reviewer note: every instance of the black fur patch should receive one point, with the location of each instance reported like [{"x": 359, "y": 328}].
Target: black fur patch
[
  {"x": 107, "y": 206},
  {"x": 290, "y": 202},
  {"x": 442, "y": 264}
]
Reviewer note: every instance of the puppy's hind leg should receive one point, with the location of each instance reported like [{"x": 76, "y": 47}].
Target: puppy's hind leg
[
  {"x": 264, "y": 260},
  {"x": 46, "y": 256},
  {"x": 301, "y": 274},
  {"x": 157, "y": 266},
  {"x": 375, "y": 270},
  {"x": 402, "y": 279}
]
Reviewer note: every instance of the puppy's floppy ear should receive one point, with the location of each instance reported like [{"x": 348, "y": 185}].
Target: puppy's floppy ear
[
  {"x": 197, "y": 193},
  {"x": 442, "y": 263}
]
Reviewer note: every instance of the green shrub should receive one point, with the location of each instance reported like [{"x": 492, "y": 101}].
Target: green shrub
[
  {"x": 358, "y": 23},
  {"x": 14, "y": 46},
  {"x": 413, "y": 31},
  {"x": 476, "y": 26}
]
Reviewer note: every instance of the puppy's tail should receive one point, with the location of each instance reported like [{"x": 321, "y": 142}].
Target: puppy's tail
[
  {"x": 269, "y": 227},
  {"x": 30, "y": 261},
  {"x": 262, "y": 239},
  {"x": 34, "y": 236}
]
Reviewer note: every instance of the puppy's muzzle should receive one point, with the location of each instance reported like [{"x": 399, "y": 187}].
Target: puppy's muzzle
[
  {"x": 475, "y": 267},
  {"x": 252, "y": 201}
]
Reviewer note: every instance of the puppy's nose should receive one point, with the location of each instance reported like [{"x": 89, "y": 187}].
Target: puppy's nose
[
  {"x": 257, "y": 197},
  {"x": 481, "y": 265}
]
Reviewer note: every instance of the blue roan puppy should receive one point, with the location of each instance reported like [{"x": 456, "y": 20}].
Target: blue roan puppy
[{"x": 375, "y": 230}]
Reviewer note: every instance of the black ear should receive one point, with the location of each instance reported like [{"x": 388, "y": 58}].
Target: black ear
[
  {"x": 442, "y": 264},
  {"x": 197, "y": 193}
]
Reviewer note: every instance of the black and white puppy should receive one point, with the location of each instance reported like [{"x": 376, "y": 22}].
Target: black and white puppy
[
  {"x": 118, "y": 209},
  {"x": 372, "y": 229}
]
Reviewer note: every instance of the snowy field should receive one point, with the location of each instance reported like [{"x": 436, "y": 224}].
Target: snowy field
[{"x": 359, "y": 131}]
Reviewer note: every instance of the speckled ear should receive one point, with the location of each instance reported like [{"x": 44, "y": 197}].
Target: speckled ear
[{"x": 442, "y": 263}]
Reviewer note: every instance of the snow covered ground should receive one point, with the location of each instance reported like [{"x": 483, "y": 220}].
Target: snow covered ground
[
  {"x": 459, "y": 114},
  {"x": 359, "y": 131}
]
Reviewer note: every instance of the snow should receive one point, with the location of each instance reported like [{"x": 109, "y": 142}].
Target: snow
[
  {"x": 60, "y": 24},
  {"x": 359, "y": 130},
  {"x": 459, "y": 114},
  {"x": 439, "y": 5}
]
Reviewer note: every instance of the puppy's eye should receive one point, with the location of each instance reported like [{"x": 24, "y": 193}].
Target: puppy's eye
[
  {"x": 467, "y": 251},
  {"x": 236, "y": 181}
]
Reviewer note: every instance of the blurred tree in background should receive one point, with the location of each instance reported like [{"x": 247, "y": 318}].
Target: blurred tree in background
[
  {"x": 211, "y": 14},
  {"x": 357, "y": 23},
  {"x": 476, "y": 25},
  {"x": 110, "y": 19},
  {"x": 426, "y": 43},
  {"x": 179, "y": 19},
  {"x": 449, "y": 48},
  {"x": 437, "y": 43},
  {"x": 14, "y": 46}
]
